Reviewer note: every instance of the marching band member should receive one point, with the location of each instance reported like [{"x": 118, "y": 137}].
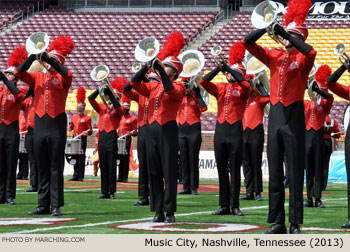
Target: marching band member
[
  {"x": 107, "y": 143},
  {"x": 253, "y": 142},
  {"x": 314, "y": 119},
  {"x": 231, "y": 99},
  {"x": 127, "y": 128},
  {"x": 23, "y": 168},
  {"x": 344, "y": 92},
  {"x": 50, "y": 94},
  {"x": 331, "y": 130},
  {"x": 289, "y": 70},
  {"x": 10, "y": 105},
  {"x": 190, "y": 137},
  {"x": 81, "y": 126}
]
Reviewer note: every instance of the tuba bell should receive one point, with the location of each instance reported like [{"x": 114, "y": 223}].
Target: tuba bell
[
  {"x": 340, "y": 50},
  {"x": 313, "y": 82},
  {"x": 37, "y": 43},
  {"x": 218, "y": 58},
  {"x": 264, "y": 17},
  {"x": 256, "y": 67},
  {"x": 100, "y": 73}
]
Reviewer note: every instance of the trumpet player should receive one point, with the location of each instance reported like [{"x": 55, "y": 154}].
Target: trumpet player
[
  {"x": 50, "y": 94},
  {"x": 231, "y": 99},
  {"x": 190, "y": 137},
  {"x": 253, "y": 141},
  {"x": 107, "y": 127},
  {"x": 315, "y": 115},
  {"x": 10, "y": 104},
  {"x": 81, "y": 126},
  {"x": 289, "y": 70},
  {"x": 344, "y": 92}
]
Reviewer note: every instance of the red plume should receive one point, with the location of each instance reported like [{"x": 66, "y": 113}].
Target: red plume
[
  {"x": 81, "y": 95},
  {"x": 118, "y": 83},
  {"x": 323, "y": 73},
  {"x": 297, "y": 11},
  {"x": 17, "y": 56},
  {"x": 236, "y": 53},
  {"x": 63, "y": 45},
  {"x": 172, "y": 45}
]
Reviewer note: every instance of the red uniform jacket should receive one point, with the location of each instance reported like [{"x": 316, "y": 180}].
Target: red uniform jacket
[
  {"x": 288, "y": 72},
  {"x": 330, "y": 126},
  {"x": 189, "y": 110},
  {"x": 79, "y": 124},
  {"x": 315, "y": 116},
  {"x": 29, "y": 111},
  {"x": 50, "y": 91},
  {"x": 231, "y": 99},
  {"x": 109, "y": 118},
  {"x": 10, "y": 105},
  {"x": 142, "y": 101},
  {"x": 163, "y": 105},
  {"x": 254, "y": 111},
  {"x": 127, "y": 124},
  {"x": 339, "y": 89},
  {"x": 23, "y": 126}
]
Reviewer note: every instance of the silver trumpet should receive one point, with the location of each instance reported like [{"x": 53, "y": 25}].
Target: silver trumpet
[
  {"x": 340, "y": 50},
  {"x": 218, "y": 58}
]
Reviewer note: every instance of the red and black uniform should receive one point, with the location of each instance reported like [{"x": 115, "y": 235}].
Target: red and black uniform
[
  {"x": 10, "y": 105},
  {"x": 231, "y": 101},
  {"x": 286, "y": 132},
  {"x": 107, "y": 144},
  {"x": 190, "y": 138},
  {"x": 142, "y": 116},
  {"x": 314, "y": 120},
  {"x": 253, "y": 142},
  {"x": 80, "y": 124},
  {"x": 50, "y": 94},
  {"x": 330, "y": 126},
  {"x": 127, "y": 124},
  {"x": 162, "y": 141},
  {"x": 22, "y": 157}
]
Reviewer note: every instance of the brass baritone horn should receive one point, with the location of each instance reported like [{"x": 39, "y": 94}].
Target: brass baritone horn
[
  {"x": 100, "y": 73},
  {"x": 147, "y": 49},
  {"x": 256, "y": 67},
  {"x": 218, "y": 58},
  {"x": 136, "y": 67},
  {"x": 193, "y": 62},
  {"x": 340, "y": 50},
  {"x": 37, "y": 43},
  {"x": 311, "y": 82},
  {"x": 264, "y": 17}
]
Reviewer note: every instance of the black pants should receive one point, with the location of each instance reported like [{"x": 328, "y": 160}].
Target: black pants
[
  {"x": 124, "y": 161},
  {"x": 228, "y": 142},
  {"x": 107, "y": 151},
  {"x": 49, "y": 144},
  {"x": 327, "y": 152},
  {"x": 32, "y": 166},
  {"x": 190, "y": 139},
  {"x": 286, "y": 134},
  {"x": 253, "y": 144},
  {"x": 143, "y": 190},
  {"x": 347, "y": 165},
  {"x": 79, "y": 167},
  {"x": 9, "y": 146},
  {"x": 162, "y": 148},
  {"x": 23, "y": 168},
  {"x": 313, "y": 162}
]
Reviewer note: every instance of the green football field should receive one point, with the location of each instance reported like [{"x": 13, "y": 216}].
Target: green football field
[{"x": 84, "y": 214}]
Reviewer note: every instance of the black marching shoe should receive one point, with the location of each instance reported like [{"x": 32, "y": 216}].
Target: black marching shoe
[
  {"x": 225, "y": 210},
  {"x": 258, "y": 197},
  {"x": 159, "y": 217},
  {"x": 170, "y": 217},
  {"x": 319, "y": 204},
  {"x": 237, "y": 211},
  {"x": 112, "y": 196},
  {"x": 32, "y": 189},
  {"x": 346, "y": 225},
  {"x": 103, "y": 196},
  {"x": 247, "y": 196},
  {"x": 56, "y": 211},
  {"x": 194, "y": 192},
  {"x": 308, "y": 203},
  {"x": 142, "y": 202},
  {"x": 277, "y": 228},
  {"x": 294, "y": 229},
  {"x": 39, "y": 211},
  {"x": 19, "y": 176},
  {"x": 10, "y": 201},
  {"x": 184, "y": 191},
  {"x": 73, "y": 179}
]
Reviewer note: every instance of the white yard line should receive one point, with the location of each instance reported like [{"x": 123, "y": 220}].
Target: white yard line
[{"x": 135, "y": 220}]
